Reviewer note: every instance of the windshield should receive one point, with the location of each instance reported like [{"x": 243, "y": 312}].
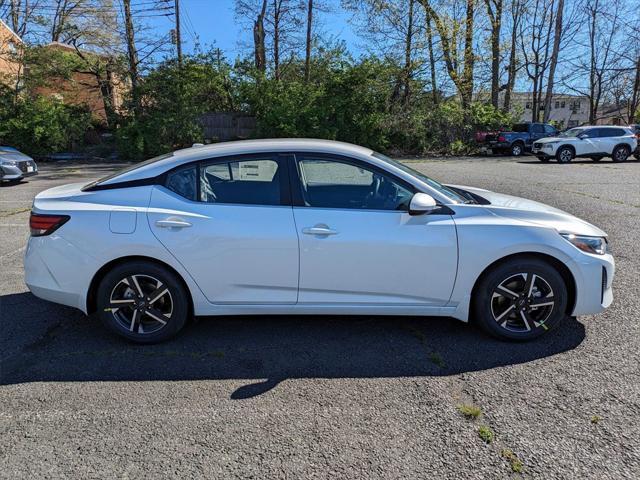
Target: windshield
[
  {"x": 572, "y": 132},
  {"x": 421, "y": 176},
  {"x": 129, "y": 168}
]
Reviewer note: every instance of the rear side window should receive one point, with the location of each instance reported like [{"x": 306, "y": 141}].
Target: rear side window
[
  {"x": 255, "y": 181},
  {"x": 183, "y": 182},
  {"x": 521, "y": 128},
  {"x": 611, "y": 132}
]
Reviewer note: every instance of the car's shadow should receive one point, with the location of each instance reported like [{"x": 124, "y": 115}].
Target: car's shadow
[{"x": 45, "y": 342}]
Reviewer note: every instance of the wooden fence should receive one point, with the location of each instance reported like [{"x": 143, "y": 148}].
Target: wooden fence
[{"x": 222, "y": 126}]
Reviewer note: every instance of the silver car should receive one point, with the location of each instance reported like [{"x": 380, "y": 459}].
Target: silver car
[{"x": 15, "y": 165}]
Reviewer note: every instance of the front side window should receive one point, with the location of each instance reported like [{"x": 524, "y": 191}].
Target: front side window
[
  {"x": 549, "y": 129},
  {"x": 333, "y": 183},
  {"x": 537, "y": 128},
  {"x": 254, "y": 181}
]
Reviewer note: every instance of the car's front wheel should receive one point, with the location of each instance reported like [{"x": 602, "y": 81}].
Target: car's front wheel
[
  {"x": 142, "y": 302},
  {"x": 564, "y": 154},
  {"x": 520, "y": 299}
]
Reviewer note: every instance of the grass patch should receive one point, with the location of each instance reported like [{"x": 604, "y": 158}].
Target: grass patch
[
  {"x": 595, "y": 419},
  {"x": 486, "y": 434},
  {"x": 470, "y": 411},
  {"x": 514, "y": 461}
]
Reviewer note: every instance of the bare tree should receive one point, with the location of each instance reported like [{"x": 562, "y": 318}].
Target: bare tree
[
  {"x": 494, "y": 10},
  {"x": 516, "y": 12},
  {"x": 307, "y": 56},
  {"x": 557, "y": 37},
  {"x": 258, "y": 40},
  {"x": 460, "y": 68}
]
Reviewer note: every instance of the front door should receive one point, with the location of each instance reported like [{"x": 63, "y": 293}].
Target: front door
[
  {"x": 230, "y": 224},
  {"x": 358, "y": 243}
]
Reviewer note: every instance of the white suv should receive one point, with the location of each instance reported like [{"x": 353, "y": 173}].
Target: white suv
[{"x": 589, "y": 141}]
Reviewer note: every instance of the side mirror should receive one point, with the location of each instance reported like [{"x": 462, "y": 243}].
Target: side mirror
[
  {"x": 582, "y": 136},
  {"x": 422, "y": 203}
]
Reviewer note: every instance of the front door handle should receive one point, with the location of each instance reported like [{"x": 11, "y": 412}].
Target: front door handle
[
  {"x": 172, "y": 222},
  {"x": 322, "y": 230}
]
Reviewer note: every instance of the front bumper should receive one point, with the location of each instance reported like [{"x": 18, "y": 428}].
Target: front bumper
[
  {"x": 543, "y": 151},
  {"x": 593, "y": 275},
  {"x": 16, "y": 172}
]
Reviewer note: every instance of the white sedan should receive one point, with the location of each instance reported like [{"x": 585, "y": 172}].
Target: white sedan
[{"x": 307, "y": 227}]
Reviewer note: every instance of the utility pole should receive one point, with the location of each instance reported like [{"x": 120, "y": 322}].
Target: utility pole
[
  {"x": 132, "y": 54},
  {"x": 178, "y": 37}
]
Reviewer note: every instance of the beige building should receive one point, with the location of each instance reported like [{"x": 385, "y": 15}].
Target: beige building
[{"x": 566, "y": 110}]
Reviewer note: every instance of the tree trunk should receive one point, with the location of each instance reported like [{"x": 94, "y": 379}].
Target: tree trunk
[
  {"x": 554, "y": 61},
  {"x": 258, "y": 40},
  {"x": 635, "y": 95},
  {"x": 307, "y": 58},
  {"x": 276, "y": 38},
  {"x": 132, "y": 54},
  {"x": 15, "y": 15},
  {"x": 467, "y": 69},
  {"x": 496, "y": 25},
  {"x": 432, "y": 60},
  {"x": 407, "y": 56},
  {"x": 512, "y": 71}
]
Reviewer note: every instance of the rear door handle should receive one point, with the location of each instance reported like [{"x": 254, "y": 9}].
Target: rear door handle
[
  {"x": 172, "y": 222},
  {"x": 319, "y": 230}
]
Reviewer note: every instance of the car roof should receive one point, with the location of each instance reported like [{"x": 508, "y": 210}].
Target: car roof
[{"x": 162, "y": 163}]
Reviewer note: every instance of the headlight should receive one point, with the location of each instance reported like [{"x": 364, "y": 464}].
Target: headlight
[
  {"x": 597, "y": 245},
  {"x": 550, "y": 143},
  {"x": 8, "y": 162}
]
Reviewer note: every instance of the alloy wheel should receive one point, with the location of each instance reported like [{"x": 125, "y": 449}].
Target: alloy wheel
[
  {"x": 621, "y": 154},
  {"x": 565, "y": 155},
  {"x": 141, "y": 304},
  {"x": 522, "y": 302}
]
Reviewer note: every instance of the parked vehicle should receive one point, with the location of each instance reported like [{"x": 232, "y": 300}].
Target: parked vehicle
[
  {"x": 517, "y": 141},
  {"x": 15, "y": 165},
  {"x": 595, "y": 142},
  {"x": 307, "y": 227}
]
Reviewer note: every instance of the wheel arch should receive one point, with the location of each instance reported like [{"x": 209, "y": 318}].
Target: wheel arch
[
  {"x": 567, "y": 145},
  {"x": 562, "y": 269},
  {"x": 91, "y": 300},
  {"x": 623, "y": 145}
]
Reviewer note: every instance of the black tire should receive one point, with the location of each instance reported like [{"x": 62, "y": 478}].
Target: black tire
[
  {"x": 501, "y": 315},
  {"x": 620, "y": 153},
  {"x": 596, "y": 159},
  {"x": 565, "y": 155},
  {"x": 141, "y": 317},
  {"x": 516, "y": 149}
]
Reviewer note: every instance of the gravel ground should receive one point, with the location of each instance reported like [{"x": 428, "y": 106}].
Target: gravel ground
[{"x": 321, "y": 397}]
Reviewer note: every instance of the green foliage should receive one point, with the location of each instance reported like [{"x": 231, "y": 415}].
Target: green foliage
[
  {"x": 166, "y": 106},
  {"x": 41, "y": 125},
  {"x": 470, "y": 411},
  {"x": 486, "y": 434}
]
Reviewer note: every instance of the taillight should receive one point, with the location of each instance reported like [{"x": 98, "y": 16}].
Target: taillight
[
  {"x": 45, "y": 224},
  {"x": 502, "y": 139}
]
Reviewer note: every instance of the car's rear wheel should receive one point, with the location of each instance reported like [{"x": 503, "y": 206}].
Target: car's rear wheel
[
  {"x": 142, "y": 302},
  {"x": 516, "y": 149},
  {"x": 621, "y": 153},
  {"x": 564, "y": 154},
  {"x": 520, "y": 299}
]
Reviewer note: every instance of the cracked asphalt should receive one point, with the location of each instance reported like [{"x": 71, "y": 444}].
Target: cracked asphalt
[{"x": 320, "y": 397}]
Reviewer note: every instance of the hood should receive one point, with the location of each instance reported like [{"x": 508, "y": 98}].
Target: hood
[
  {"x": 535, "y": 212},
  {"x": 13, "y": 155},
  {"x": 555, "y": 139}
]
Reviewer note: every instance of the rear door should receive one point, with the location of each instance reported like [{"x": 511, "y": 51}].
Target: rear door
[
  {"x": 229, "y": 222},
  {"x": 358, "y": 243}
]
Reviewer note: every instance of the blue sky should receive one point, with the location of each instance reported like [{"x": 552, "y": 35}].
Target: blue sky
[{"x": 214, "y": 21}]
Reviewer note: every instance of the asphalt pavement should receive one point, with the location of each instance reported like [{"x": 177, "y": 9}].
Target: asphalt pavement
[{"x": 340, "y": 397}]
